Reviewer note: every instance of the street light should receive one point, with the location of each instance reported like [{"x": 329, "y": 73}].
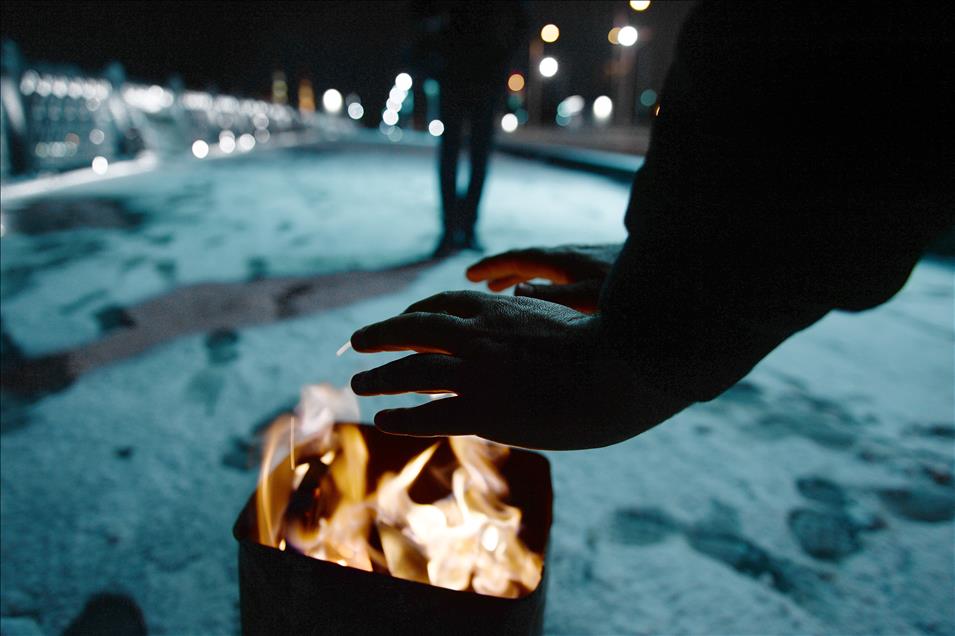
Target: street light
[
  {"x": 509, "y": 122},
  {"x": 550, "y": 33},
  {"x": 515, "y": 82},
  {"x": 603, "y": 107},
  {"x": 332, "y": 100},
  {"x": 403, "y": 82},
  {"x": 627, "y": 36},
  {"x": 548, "y": 67}
]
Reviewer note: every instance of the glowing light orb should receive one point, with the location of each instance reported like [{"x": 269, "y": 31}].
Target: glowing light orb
[
  {"x": 509, "y": 122},
  {"x": 356, "y": 110},
  {"x": 550, "y": 33},
  {"x": 227, "y": 141},
  {"x": 332, "y": 101},
  {"x": 200, "y": 149},
  {"x": 436, "y": 127},
  {"x": 246, "y": 142},
  {"x": 548, "y": 67},
  {"x": 515, "y": 82},
  {"x": 403, "y": 81},
  {"x": 603, "y": 106},
  {"x": 100, "y": 165},
  {"x": 627, "y": 36}
]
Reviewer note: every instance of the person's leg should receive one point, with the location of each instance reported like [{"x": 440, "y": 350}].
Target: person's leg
[
  {"x": 481, "y": 138},
  {"x": 448, "y": 155}
]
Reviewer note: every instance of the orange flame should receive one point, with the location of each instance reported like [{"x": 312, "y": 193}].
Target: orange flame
[{"x": 468, "y": 540}]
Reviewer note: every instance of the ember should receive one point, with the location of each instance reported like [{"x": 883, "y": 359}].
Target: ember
[{"x": 440, "y": 516}]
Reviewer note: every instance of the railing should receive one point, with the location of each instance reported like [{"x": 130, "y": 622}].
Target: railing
[{"x": 57, "y": 120}]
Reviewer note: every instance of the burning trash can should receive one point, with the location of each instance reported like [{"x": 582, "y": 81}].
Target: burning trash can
[{"x": 353, "y": 531}]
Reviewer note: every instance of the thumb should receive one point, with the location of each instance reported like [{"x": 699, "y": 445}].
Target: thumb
[{"x": 582, "y": 295}]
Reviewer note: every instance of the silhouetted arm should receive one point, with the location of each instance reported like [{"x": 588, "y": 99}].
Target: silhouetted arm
[
  {"x": 787, "y": 176},
  {"x": 795, "y": 168}
]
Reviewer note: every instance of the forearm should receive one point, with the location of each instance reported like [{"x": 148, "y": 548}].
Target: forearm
[{"x": 691, "y": 330}]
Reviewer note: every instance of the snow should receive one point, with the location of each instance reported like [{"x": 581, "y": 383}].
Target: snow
[{"x": 129, "y": 480}]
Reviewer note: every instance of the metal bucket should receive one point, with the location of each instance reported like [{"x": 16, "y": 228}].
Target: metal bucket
[{"x": 285, "y": 592}]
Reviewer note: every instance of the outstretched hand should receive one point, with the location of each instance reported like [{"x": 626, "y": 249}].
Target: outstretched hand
[
  {"x": 524, "y": 372},
  {"x": 576, "y": 273}
]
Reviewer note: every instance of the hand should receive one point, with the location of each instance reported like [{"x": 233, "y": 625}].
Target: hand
[
  {"x": 525, "y": 372},
  {"x": 577, "y": 273}
]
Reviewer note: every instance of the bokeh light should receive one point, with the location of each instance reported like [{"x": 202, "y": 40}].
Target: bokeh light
[
  {"x": 200, "y": 149},
  {"x": 403, "y": 81},
  {"x": 550, "y": 33},
  {"x": 397, "y": 94},
  {"x": 509, "y": 122},
  {"x": 260, "y": 121},
  {"x": 627, "y": 36},
  {"x": 548, "y": 67},
  {"x": 648, "y": 97},
  {"x": 614, "y": 35},
  {"x": 436, "y": 127},
  {"x": 356, "y": 110},
  {"x": 570, "y": 106},
  {"x": 246, "y": 142},
  {"x": 306, "y": 96},
  {"x": 603, "y": 107},
  {"x": 227, "y": 141},
  {"x": 100, "y": 165},
  {"x": 390, "y": 117},
  {"x": 28, "y": 82},
  {"x": 332, "y": 100},
  {"x": 515, "y": 82},
  {"x": 639, "y": 5}
]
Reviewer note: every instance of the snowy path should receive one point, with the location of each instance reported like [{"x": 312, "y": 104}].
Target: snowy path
[{"x": 814, "y": 497}]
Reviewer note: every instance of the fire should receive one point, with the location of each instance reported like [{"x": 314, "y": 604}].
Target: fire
[{"x": 313, "y": 497}]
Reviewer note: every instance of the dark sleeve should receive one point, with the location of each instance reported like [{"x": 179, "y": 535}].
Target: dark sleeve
[{"x": 798, "y": 165}]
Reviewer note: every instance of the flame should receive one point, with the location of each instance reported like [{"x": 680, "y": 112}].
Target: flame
[{"x": 318, "y": 503}]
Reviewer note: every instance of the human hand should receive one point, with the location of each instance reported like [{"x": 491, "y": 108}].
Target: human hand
[
  {"x": 524, "y": 372},
  {"x": 577, "y": 273}
]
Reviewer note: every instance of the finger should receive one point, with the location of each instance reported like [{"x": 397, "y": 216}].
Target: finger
[
  {"x": 463, "y": 304},
  {"x": 531, "y": 263},
  {"x": 448, "y": 416},
  {"x": 422, "y": 332},
  {"x": 422, "y": 373},
  {"x": 582, "y": 296},
  {"x": 499, "y": 284}
]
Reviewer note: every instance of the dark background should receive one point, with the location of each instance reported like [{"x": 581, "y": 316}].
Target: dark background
[{"x": 233, "y": 47}]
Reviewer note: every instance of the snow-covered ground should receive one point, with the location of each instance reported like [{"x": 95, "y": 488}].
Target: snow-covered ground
[{"x": 815, "y": 497}]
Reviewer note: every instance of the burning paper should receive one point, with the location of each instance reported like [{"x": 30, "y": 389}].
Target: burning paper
[{"x": 314, "y": 497}]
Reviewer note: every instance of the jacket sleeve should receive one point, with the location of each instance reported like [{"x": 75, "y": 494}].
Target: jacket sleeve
[{"x": 797, "y": 165}]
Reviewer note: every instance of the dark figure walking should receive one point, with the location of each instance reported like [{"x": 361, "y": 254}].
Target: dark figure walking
[{"x": 466, "y": 47}]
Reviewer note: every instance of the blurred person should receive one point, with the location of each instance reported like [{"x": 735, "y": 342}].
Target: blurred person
[
  {"x": 797, "y": 166},
  {"x": 466, "y": 47}
]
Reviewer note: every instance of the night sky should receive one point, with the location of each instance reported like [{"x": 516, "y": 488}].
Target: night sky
[{"x": 352, "y": 46}]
